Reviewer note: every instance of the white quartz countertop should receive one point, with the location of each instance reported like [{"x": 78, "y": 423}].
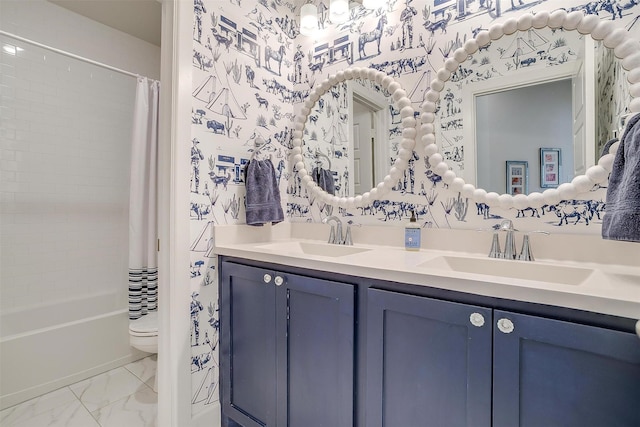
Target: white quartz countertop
[{"x": 583, "y": 283}]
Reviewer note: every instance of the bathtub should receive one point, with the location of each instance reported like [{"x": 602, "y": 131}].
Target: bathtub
[{"x": 51, "y": 346}]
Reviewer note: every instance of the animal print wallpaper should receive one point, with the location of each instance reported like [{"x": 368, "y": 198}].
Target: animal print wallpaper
[
  {"x": 522, "y": 52},
  {"x": 410, "y": 41},
  {"x": 243, "y": 93},
  {"x": 251, "y": 72}
]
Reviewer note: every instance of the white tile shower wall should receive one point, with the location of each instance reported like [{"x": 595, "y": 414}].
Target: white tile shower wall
[
  {"x": 65, "y": 157},
  {"x": 39, "y": 127},
  {"x": 47, "y": 23}
]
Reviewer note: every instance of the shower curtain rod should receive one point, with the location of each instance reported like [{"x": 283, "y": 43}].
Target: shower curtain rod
[{"x": 72, "y": 55}]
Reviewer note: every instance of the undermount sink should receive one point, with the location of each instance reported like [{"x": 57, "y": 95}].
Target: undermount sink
[
  {"x": 525, "y": 270},
  {"x": 308, "y": 248}
]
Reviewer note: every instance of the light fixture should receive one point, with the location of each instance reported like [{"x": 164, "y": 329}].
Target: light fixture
[
  {"x": 339, "y": 11},
  {"x": 11, "y": 49},
  {"x": 372, "y": 4},
  {"x": 308, "y": 19}
]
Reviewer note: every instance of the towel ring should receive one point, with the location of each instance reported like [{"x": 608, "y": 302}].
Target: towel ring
[
  {"x": 258, "y": 147},
  {"x": 319, "y": 154}
]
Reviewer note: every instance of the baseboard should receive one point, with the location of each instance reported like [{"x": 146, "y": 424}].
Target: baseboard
[{"x": 208, "y": 418}]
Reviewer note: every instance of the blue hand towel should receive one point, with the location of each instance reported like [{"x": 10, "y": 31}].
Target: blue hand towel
[
  {"x": 622, "y": 216},
  {"x": 324, "y": 179},
  {"x": 263, "y": 194}
]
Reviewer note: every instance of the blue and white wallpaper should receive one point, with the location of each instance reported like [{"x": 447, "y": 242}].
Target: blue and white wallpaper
[
  {"x": 244, "y": 87},
  {"x": 252, "y": 70},
  {"x": 415, "y": 40}
]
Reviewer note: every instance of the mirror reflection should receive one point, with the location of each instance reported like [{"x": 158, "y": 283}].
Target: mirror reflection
[
  {"x": 531, "y": 90},
  {"x": 351, "y": 137},
  {"x": 509, "y": 130}
]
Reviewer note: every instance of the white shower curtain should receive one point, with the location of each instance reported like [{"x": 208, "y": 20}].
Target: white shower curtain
[{"x": 143, "y": 223}]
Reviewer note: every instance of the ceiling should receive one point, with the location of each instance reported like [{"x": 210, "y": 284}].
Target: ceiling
[{"x": 139, "y": 18}]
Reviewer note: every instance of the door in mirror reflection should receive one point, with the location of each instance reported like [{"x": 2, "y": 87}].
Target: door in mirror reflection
[
  {"x": 363, "y": 141},
  {"x": 371, "y": 125}
]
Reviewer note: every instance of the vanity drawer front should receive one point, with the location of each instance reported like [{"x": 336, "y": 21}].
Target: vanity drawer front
[
  {"x": 555, "y": 373},
  {"x": 427, "y": 359}
]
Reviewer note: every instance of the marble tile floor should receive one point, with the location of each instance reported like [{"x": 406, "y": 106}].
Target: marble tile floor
[{"x": 122, "y": 397}]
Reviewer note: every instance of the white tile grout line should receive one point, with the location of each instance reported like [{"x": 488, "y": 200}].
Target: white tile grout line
[
  {"x": 85, "y": 408},
  {"x": 112, "y": 403},
  {"x": 125, "y": 397},
  {"x": 83, "y": 405},
  {"x": 135, "y": 375}
]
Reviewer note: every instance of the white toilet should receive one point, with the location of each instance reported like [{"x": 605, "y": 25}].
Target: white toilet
[{"x": 143, "y": 335}]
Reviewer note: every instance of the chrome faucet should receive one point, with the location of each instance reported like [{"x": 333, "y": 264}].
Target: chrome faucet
[
  {"x": 526, "y": 254},
  {"x": 509, "y": 243},
  {"x": 335, "y": 236},
  {"x": 495, "y": 251},
  {"x": 348, "y": 240}
]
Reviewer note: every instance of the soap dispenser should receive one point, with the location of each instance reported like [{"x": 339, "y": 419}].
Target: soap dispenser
[{"x": 412, "y": 234}]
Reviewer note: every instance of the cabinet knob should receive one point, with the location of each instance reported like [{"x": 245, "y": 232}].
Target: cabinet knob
[
  {"x": 267, "y": 278},
  {"x": 505, "y": 326},
  {"x": 476, "y": 319},
  {"x": 279, "y": 281}
]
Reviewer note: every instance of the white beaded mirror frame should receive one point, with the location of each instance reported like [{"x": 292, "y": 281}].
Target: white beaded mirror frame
[
  {"x": 407, "y": 144},
  {"x": 625, "y": 48}
]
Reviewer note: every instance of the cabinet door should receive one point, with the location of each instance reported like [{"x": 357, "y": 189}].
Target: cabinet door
[
  {"x": 247, "y": 345},
  {"x": 428, "y": 362},
  {"x": 554, "y": 373},
  {"x": 315, "y": 348}
]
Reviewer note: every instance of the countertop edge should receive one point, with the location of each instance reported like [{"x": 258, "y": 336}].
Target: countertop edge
[{"x": 602, "y": 301}]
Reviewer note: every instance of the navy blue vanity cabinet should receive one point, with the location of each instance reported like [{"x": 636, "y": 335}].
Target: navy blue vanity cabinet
[
  {"x": 556, "y": 373},
  {"x": 248, "y": 345},
  {"x": 428, "y": 362},
  {"x": 287, "y": 349}
]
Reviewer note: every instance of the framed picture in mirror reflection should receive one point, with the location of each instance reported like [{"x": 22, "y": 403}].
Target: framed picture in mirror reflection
[
  {"x": 550, "y": 162},
  {"x": 517, "y": 177}
]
